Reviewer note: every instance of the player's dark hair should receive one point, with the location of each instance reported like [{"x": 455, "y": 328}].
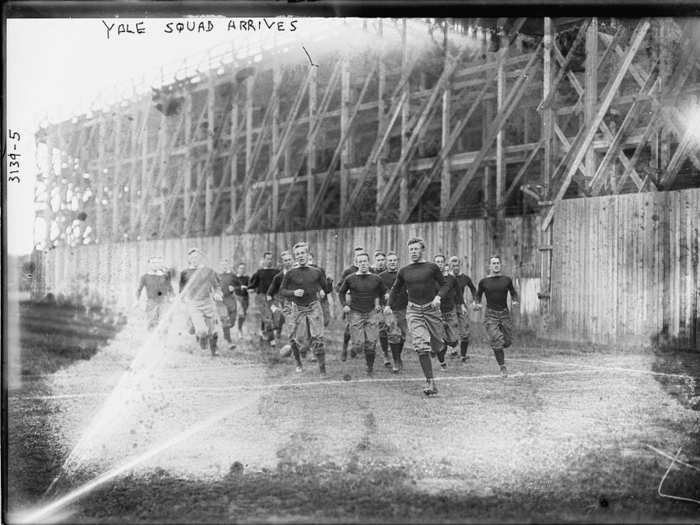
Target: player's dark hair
[
  {"x": 416, "y": 240},
  {"x": 379, "y": 252},
  {"x": 388, "y": 254},
  {"x": 438, "y": 255},
  {"x": 265, "y": 254},
  {"x": 495, "y": 257},
  {"x": 360, "y": 254}
]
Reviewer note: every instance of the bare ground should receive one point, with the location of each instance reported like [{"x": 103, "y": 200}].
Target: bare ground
[{"x": 242, "y": 437}]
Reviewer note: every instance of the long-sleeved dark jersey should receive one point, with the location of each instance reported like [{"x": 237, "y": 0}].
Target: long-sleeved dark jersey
[
  {"x": 364, "y": 289},
  {"x": 245, "y": 281},
  {"x": 348, "y": 271},
  {"x": 496, "y": 288},
  {"x": 260, "y": 281},
  {"x": 197, "y": 283},
  {"x": 276, "y": 284},
  {"x": 396, "y": 302},
  {"x": 157, "y": 286},
  {"x": 453, "y": 296},
  {"x": 229, "y": 283},
  {"x": 308, "y": 278},
  {"x": 465, "y": 282},
  {"x": 422, "y": 281}
]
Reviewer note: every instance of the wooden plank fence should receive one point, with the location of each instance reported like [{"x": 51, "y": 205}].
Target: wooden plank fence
[{"x": 625, "y": 269}]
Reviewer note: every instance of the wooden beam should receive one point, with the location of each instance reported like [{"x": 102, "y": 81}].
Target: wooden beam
[
  {"x": 208, "y": 174},
  {"x": 345, "y": 150},
  {"x": 399, "y": 97},
  {"x": 548, "y": 113},
  {"x": 291, "y": 121},
  {"x": 590, "y": 96},
  {"x": 341, "y": 143},
  {"x": 446, "y": 176},
  {"x": 523, "y": 169},
  {"x": 418, "y": 132},
  {"x": 206, "y": 167},
  {"x": 609, "y": 93},
  {"x": 274, "y": 140},
  {"x": 247, "y": 210},
  {"x": 425, "y": 180},
  {"x": 564, "y": 67},
  {"x": 235, "y": 147},
  {"x": 116, "y": 182},
  {"x": 405, "y": 119},
  {"x": 311, "y": 156},
  {"x": 616, "y": 144},
  {"x": 500, "y": 164},
  {"x": 100, "y": 181},
  {"x": 381, "y": 116},
  {"x": 509, "y": 105}
]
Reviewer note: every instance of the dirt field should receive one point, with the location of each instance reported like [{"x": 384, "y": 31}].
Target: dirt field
[{"x": 242, "y": 437}]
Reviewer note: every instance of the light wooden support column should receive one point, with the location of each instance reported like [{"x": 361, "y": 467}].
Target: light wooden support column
[
  {"x": 117, "y": 184},
  {"x": 311, "y": 155},
  {"x": 547, "y": 125},
  {"x": 187, "y": 174},
  {"x": 162, "y": 163},
  {"x": 548, "y": 113},
  {"x": 275, "y": 142},
  {"x": 381, "y": 117},
  {"x": 233, "y": 192},
  {"x": 446, "y": 179},
  {"x": 248, "y": 145},
  {"x": 500, "y": 157},
  {"x": 142, "y": 180},
  {"x": 131, "y": 197},
  {"x": 665, "y": 72},
  {"x": 405, "y": 117},
  {"x": 344, "y": 117},
  {"x": 100, "y": 181},
  {"x": 590, "y": 93},
  {"x": 488, "y": 116},
  {"x": 211, "y": 93}
]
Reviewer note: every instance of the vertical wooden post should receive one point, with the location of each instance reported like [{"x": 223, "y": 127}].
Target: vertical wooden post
[
  {"x": 211, "y": 93},
  {"x": 188, "y": 158},
  {"x": 275, "y": 142},
  {"x": 311, "y": 156},
  {"x": 405, "y": 116},
  {"x": 142, "y": 180},
  {"x": 233, "y": 194},
  {"x": 500, "y": 158},
  {"x": 344, "y": 117},
  {"x": 248, "y": 145},
  {"x": 665, "y": 71},
  {"x": 548, "y": 114},
  {"x": 100, "y": 181},
  {"x": 446, "y": 180},
  {"x": 547, "y": 124},
  {"x": 488, "y": 116},
  {"x": 381, "y": 118},
  {"x": 162, "y": 161},
  {"x": 591, "y": 91},
  {"x": 133, "y": 156},
  {"x": 117, "y": 185}
]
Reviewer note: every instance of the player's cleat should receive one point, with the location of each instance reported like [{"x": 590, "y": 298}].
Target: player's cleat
[
  {"x": 387, "y": 363},
  {"x": 465, "y": 358},
  {"x": 344, "y": 354},
  {"x": 370, "y": 372},
  {"x": 232, "y": 346},
  {"x": 313, "y": 358},
  {"x": 273, "y": 343},
  {"x": 299, "y": 369},
  {"x": 504, "y": 371},
  {"x": 353, "y": 354},
  {"x": 430, "y": 389},
  {"x": 443, "y": 366},
  {"x": 454, "y": 353}
]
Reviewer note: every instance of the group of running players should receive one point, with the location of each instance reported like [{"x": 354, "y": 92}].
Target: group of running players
[{"x": 424, "y": 301}]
